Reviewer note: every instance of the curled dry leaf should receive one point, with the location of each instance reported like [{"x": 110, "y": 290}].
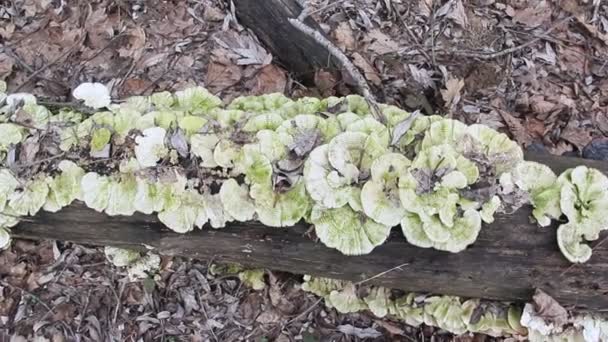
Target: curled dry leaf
[
  {"x": 368, "y": 70},
  {"x": 344, "y": 36},
  {"x": 549, "y": 309},
  {"x": 451, "y": 93}
]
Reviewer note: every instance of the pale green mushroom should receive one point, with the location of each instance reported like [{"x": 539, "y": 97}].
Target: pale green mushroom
[
  {"x": 122, "y": 191},
  {"x": 226, "y": 153},
  {"x": 268, "y": 121},
  {"x": 378, "y": 301},
  {"x": 65, "y": 187},
  {"x": 96, "y": 190},
  {"x": 380, "y": 195},
  {"x": 186, "y": 211},
  {"x": 539, "y": 182},
  {"x": 324, "y": 184},
  {"x": 253, "y": 278},
  {"x": 191, "y": 124},
  {"x": 150, "y": 196},
  {"x": 150, "y": 148},
  {"x": 8, "y": 184},
  {"x": 163, "y": 99},
  {"x": 236, "y": 201},
  {"x": 348, "y": 231},
  {"x": 346, "y": 300},
  {"x": 447, "y": 313},
  {"x": 203, "y": 145},
  {"x": 121, "y": 257},
  {"x": 584, "y": 201},
  {"x": 280, "y": 208},
  {"x": 196, "y": 100},
  {"x": 5, "y": 238},
  {"x": 29, "y": 199}
]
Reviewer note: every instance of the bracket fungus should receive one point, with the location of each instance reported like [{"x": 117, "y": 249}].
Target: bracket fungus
[{"x": 194, "y": 161}]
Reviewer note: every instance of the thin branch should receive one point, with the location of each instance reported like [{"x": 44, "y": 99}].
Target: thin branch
[
  {"x": 346, "y": 64},
  {"x": 305, "y": 14},
  {"x": 381, "y": 274},
  {"x": 37, "y": 72},
  {"x": 494, "y": 55}
]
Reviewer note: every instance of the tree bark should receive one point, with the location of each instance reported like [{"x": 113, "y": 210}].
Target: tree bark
[
  {"x": 298, "y": 53},
  {"x": 509, "y": 260}
]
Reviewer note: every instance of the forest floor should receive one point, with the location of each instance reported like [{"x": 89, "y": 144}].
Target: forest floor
[{"x": 535, "y": 69}]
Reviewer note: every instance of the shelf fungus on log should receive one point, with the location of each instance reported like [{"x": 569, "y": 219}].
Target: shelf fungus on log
[{"x": 194, "y": 161}]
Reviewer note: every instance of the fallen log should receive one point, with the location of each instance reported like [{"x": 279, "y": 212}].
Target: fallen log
[{"x": 510, "y": 259}]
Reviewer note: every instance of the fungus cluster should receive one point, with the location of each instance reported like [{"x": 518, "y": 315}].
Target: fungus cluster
[
  {"x": 194, "y": 162},
  {"x": 446, "y": 312}
]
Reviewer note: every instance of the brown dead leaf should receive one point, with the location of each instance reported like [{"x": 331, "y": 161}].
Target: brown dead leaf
[
  {"x": 517, "y": 129},
  {"x": 213, "y": 13},
  {"x": 6, "y": 66},
  {"x": 422, "y": 76},
  {"x": 533, "y": 16},
  {"x": 458, "y": 14},
  {"x": 381, "y": 43},
  {"x": 7, "y": 30},
  {"x": 549, "y": 309},
  {"x": 369, "y": 71},
  {"x": 573, "y": 7},
  {"x": 325, "y": 81},
  {"x": 221, "y": 76},
  {"x": 560, "y": 148},
  {"x": 270, "y": 79},
  {"x": 268, "y": 317},
  {"x": 135, "y": 86},
  {"x": 344, "y": 36},
  {"x": 245, "y": 49},
  {"x": 535, "y": 127},
  {"x": 451, "y": 93},
  {"x": 425, "y": 7},
  {"x": 491, "y": 119},
  {"x": 576, "y": 135},
  {"x": 572, "y": 58},
  {"x": 99, "y": 28},
  {"x": 601, "y": 121},
  {"x": 540, "y": 105},
  {"x": 135, "y": 44}
]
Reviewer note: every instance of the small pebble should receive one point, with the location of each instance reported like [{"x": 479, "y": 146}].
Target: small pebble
[{"x": 597, "y": 149}]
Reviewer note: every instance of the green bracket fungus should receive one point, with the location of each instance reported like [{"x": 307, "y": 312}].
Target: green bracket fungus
[
  {"x": 584, "y": 201},
  {"x": 138, "y": 266},
  {"x": 380, "y": 195},
  {"x": 450, "y": 313},
  {"x": 193, "y": 161},
  {"x": 348, "y": 231},
  {"x": 151, "y": 146}
]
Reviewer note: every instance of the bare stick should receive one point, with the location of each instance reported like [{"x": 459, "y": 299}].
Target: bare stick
[
  {"x": 494, "y": 55},
  {"x": 382, "y": 273},
  {"x": 37, "y": 72},
  {"x": 346, "y": 64}
]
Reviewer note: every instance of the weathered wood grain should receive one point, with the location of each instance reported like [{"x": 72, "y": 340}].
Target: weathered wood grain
[{"x": 510, "y": 259}]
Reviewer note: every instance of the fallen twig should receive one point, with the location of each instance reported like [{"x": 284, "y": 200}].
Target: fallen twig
[
  {"x": 356, "y": 75},
  {"x": 46, "y": 66},
  {"x": 494, "y": 55},
  {"x": 381, "y": 274}
]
